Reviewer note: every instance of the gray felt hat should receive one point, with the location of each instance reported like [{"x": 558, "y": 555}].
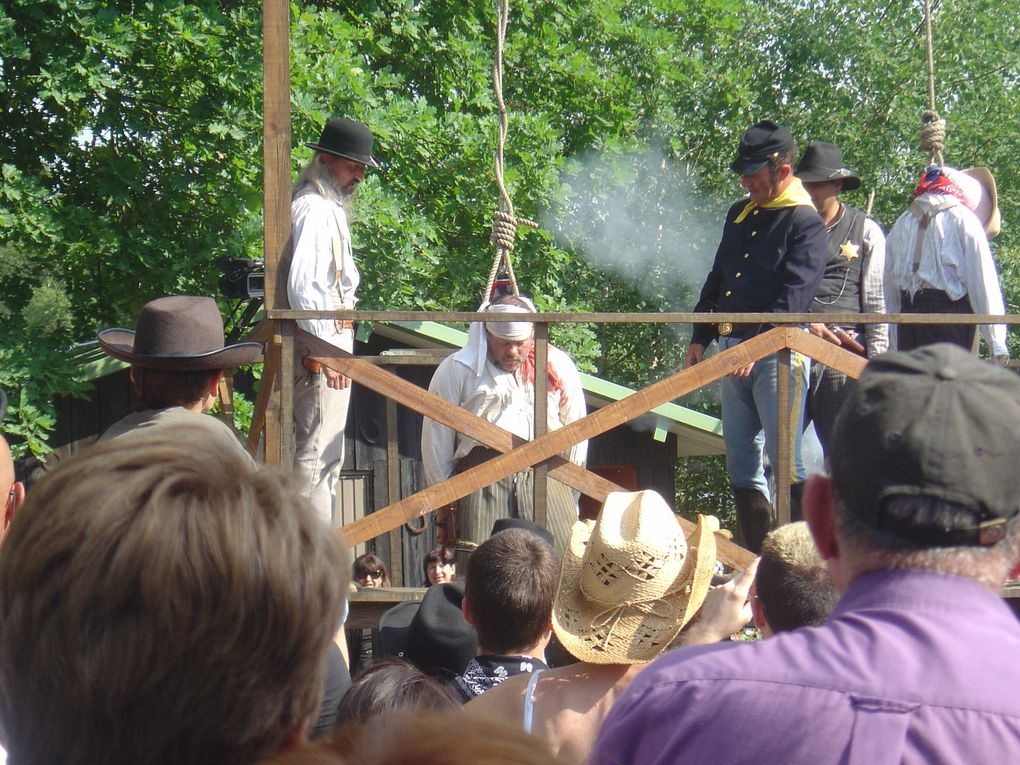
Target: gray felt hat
[{"x": 935, "y": 422}]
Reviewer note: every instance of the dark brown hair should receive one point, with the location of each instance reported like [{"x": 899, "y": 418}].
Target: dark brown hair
[
  {"x": 511, "y": 583},
  {"x": 389, "y": 685},
  {"x": 444, "y": 556},
  {"x": 163, "y": 602},
  {"x": 162, "y": 388},
  {"x": 370, "y": 563}
]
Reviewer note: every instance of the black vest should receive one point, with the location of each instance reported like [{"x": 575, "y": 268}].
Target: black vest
[{"x": 841, "y": 285}]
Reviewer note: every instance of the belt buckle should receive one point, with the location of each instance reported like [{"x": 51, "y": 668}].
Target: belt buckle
[{"x": 724, "y": 328}]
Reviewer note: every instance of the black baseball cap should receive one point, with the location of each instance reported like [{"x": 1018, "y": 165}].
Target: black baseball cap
[
  {"x": 760, "y": 143},
  {"x": 934, "y": 422}
]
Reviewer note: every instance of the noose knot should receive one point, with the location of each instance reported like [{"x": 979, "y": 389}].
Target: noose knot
[
  {"x": 933, "y": 133},
  {"x": 504, "y": 229}
]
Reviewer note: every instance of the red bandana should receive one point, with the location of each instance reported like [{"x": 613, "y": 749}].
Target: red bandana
[
  {"x": 528, "y": 373},
  {"x": 934, "y": 181}
]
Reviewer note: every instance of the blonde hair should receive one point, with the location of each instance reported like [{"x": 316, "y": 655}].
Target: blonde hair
[
  {"x": 164, "y": 602},
  {"x": 793, "y": 583}
]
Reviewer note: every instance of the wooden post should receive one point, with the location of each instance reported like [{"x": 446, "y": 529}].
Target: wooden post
[
  {"x": 286, "y": 382},
  {"x": 396, "y": 564},
  {"x": 541, "y": 471},
  {"x": 783, "y": 424},
  {"x": 276, "y": 196}
]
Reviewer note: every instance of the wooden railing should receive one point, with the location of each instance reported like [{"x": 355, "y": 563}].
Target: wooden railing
[{"x": 542, "y": 454}]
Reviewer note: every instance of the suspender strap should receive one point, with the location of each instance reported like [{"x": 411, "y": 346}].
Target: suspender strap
[
  {"x": 924, "y": 217},
  {"x": 529, "y": 700}
]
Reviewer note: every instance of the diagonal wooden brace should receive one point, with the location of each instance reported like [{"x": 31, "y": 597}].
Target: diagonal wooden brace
[
  {"x": 531, "y": 453},
  {"x": 442, "y": 411}
]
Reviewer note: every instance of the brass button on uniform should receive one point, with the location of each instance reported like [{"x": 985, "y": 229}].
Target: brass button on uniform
[
  {"x": 754, "y": 233},
  {"x": 747, "y": 255},
  {"x": 727, "y": 293},
  {"x": 737, "y": 275}
]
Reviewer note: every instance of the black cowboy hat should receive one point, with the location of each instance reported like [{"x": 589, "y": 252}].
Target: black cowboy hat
[
  {"x": 347, "y": 138},
  {"x": 823, "y": 161},
  {"x": 182, "y": 333},
  {"x": 439, "y": 641}
]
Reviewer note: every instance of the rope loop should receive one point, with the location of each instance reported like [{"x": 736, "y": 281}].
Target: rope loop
[
  {"x": 504, "y": 229},
  {"x": 933, "y": 135}
]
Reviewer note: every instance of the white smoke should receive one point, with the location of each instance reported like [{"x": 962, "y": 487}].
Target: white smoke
[{"x": 641, "y": 219}]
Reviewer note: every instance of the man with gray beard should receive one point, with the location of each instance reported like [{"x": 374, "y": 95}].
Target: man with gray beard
[{"x": 323, "y": 276}]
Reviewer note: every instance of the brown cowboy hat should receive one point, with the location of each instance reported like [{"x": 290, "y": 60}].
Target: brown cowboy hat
[
  {"x": 182, "y": 333},
  {"x": 630, "y": 580}
]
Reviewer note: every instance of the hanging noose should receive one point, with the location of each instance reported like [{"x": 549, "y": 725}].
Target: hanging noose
[
  {"x": 504, "y": 222},
  {"x": 933, "y": 127}
]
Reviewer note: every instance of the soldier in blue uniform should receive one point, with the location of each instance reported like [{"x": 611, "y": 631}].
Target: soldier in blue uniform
[{"x": 771, "y": 259}]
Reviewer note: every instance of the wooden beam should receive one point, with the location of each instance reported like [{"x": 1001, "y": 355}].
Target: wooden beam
[
  {"x": 270, "y": 370},
  {"x": 560, "y": 440},
  {"x": 276, "y": 195},
  {"x": 779, "y": 319},
  {"x": 272, "y": 411},
  {"x": 784, "y": 455},
  {"x": 829, "y": 354},
  {"x": 445, "y": 413},
  {"x": 393, "y": 492},
  {"x": 540, "y": 473}
]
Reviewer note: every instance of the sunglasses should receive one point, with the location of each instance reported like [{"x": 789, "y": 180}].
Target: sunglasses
[{"x": 373, "y": 574}]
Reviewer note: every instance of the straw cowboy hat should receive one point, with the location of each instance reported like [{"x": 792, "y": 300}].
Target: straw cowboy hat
[
  {"x": 181, "y": 333},
  {"x": 630, "y": 580},
  {"x": 978, "y": 187},
  {"x": 349, "y": 139}
]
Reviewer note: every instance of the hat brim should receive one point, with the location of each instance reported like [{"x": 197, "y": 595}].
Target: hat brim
[
  {"x": 365, "y": 159},
  {"x": 850, "y": 181},
  {"x": 746, "y": 167},
  {"x": 119, "y": 343},
  {"x": 575, "y": 618},
  {"x": 984, "y": 176}
]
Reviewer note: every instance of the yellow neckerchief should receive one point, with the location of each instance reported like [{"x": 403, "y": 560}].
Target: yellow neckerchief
[{"x": 793, "y": 195}]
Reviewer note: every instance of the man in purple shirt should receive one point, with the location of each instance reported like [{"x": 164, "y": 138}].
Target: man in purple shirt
[{"x": 919, "y": 526}]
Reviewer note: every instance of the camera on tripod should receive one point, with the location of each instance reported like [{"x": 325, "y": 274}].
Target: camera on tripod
[{"x": 242, "y": 277}]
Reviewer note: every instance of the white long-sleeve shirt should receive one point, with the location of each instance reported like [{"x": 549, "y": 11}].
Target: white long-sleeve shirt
[
  {"x": 955, "y": 258},
  {"x": 323, "y": 275},
  {"x": 500, "y": 398},
  {"x": 872, "y": 287}
]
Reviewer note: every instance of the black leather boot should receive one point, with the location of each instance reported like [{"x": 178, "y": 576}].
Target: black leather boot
[
  {"x": 754, "y": 517},
  {"x": 796, "y": 494}
]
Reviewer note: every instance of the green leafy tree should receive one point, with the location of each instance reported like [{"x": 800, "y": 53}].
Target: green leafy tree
[{"x": 130, "y": 152}]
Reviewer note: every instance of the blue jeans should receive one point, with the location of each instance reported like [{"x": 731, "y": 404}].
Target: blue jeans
[{"x": 749, "y": 417}]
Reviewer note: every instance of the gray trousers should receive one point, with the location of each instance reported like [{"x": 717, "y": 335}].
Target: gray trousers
[
  {"x": 828, "y": 390},
  {"x": 513, "y": 497},
  {"x": 320, "y": 418}
]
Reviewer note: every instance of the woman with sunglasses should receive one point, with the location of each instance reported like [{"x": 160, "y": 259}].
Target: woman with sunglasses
[{"x": 369, "y": 571}]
